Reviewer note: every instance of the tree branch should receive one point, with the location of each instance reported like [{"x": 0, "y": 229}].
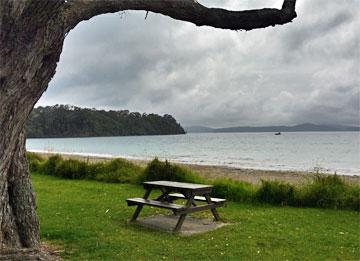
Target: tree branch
[{"x": 76, "y": 11}]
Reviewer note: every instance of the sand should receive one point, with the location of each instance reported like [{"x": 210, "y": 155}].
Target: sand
[{"x": 253, "y": 176}]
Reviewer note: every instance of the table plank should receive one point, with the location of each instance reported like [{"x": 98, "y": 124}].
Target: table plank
[
  {"x": 181, "y": 185},
  {"x": 155, "y": 203},
  {"x": 198, "y": 198}
]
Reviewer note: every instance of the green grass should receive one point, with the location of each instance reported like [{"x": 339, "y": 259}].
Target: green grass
[{"x": 88, "y": 219}]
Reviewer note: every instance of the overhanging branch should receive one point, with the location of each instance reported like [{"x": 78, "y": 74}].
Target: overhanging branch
[{"x": 76, "y": 11}]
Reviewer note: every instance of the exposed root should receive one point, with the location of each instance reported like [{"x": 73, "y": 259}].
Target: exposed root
[{"x": 45, "y": 252}]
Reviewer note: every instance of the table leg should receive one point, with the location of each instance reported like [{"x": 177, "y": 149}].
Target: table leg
[
  {"x": 164, "y": 196},
  {"x": 213, "y": 210},
  {"x": 183, "y": 216},
  {"x": 139, "y": 208}
]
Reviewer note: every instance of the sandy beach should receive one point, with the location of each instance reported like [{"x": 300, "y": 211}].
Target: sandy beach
[{"x": 213, "y": 172}]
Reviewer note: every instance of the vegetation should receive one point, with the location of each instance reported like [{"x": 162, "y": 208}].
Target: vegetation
[
  {"x": 158, "y": 170},
  {"x": 88, "y": 220},
  {"x": 275, "y": 192},
  {"x": 320, "y": 190},
  {"x": 115, "y": 171},
  {"x": 70, "y": 121}
]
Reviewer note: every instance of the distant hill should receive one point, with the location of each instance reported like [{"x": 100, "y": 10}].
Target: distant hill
[
  {"x": 296, "y": 128},
  {"x": 198, "y": 129},
  {"x": 69, "y": 121}
]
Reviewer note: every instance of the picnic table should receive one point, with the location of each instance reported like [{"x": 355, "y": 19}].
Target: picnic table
[{"x": 171, "y": 191}]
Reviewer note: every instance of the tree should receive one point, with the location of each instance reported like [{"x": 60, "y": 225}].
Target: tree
[{"x": 32, "y": 33}]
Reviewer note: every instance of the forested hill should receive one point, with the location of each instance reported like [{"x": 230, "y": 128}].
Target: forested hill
[
  {"x": 297, "y": 128},
  {"x": 70, "y": 121}
]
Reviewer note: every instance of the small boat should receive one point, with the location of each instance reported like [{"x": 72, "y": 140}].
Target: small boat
[{"x": 278, "y": 133}]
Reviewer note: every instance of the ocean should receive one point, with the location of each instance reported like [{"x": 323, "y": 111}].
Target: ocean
[{"x": 328, "y": 152}]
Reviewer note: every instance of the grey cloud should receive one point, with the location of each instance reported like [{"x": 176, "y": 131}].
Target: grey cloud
[
  {"x": 305, "y": 71},
  {"x": 325, "y": 25}
]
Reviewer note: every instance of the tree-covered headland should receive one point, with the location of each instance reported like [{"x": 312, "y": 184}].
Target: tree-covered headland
[{"x": 70, "y": 121}]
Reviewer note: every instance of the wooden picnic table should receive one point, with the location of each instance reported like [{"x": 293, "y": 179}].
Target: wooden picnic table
[{"x": 171, "y": 191}]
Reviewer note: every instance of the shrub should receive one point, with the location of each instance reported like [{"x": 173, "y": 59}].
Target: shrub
[
  {"x": 34, "y": 161},
  {"x": 352, "y": 201},
  {"x": 118, "y": 171},
  {"x": 71, "y": 169},
  {"x": 233, "y": 190},
  {"x": 94, "y": 169},
  {"x": 117, "y": 176},
  {"x": 327, "y": 191},
  {"x": 33, "y": 156},
  {"x": 49, "y": 165},
  {"x": 34, "y": 165},
  {"x": 158, "y": 170},
  {"x": 275, "y": 192}
]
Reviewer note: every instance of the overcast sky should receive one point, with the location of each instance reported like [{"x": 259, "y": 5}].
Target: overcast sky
[{"x": 306, "y": 71}]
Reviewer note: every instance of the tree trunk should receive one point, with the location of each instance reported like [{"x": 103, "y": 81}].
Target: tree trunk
[
  {"x": 31, "y": 40},
  {"x": 19, "y": 223},
  {"x": 32, "y": 33}
]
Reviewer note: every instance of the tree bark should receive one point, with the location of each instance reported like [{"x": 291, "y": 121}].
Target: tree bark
[
  {"x": 185, "y": 10},
  {"x": 31, "y": 39},
  {"x": 32, "y": 33},
  {"x": 19, "y": 223}
]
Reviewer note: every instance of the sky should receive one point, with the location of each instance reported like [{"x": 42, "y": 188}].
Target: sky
[{"x": 306, "y": 71}]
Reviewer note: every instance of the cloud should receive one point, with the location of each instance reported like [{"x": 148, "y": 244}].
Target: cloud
[{"x": 306, "y": 71}]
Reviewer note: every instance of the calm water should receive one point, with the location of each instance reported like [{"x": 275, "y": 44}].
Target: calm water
[{"x": 330, "y": 151}]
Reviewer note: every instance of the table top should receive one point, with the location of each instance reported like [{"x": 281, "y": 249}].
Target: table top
[{"x": 179, "y": 185}]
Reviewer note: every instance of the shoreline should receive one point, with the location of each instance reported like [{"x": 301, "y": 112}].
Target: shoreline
[{"x": 253, "y": 176}]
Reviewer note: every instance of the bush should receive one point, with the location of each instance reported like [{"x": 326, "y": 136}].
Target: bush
[
  {"x": 233, "y": 190},
  {"x": 275, "y": 192},
  {"x": 352, "y": 201},
  {"x": 71, "y": 169},
  {"x": 34, "y": 161},
  {"x": 328, "y": 191},
  {"x": 34, "y": 156},
  {"x": 116, "y": 171},
  {"x": 158, "y": 170},
  {"x": 49, "y": 166},
  {"x": 119, "y": 171},
  {"x": 117, "y": 176},
  {"x": 94, "y": 169}
]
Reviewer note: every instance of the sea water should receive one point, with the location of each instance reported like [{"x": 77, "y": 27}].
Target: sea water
[{"x": 299, "y": 151}]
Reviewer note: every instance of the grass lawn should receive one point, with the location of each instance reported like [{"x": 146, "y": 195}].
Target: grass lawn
[{"x": 88, "y": 219}]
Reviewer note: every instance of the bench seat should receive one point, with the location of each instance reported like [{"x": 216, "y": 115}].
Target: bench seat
[
  {"x": 198, "y": 198},
  {"x": 155, "y": 203}
]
